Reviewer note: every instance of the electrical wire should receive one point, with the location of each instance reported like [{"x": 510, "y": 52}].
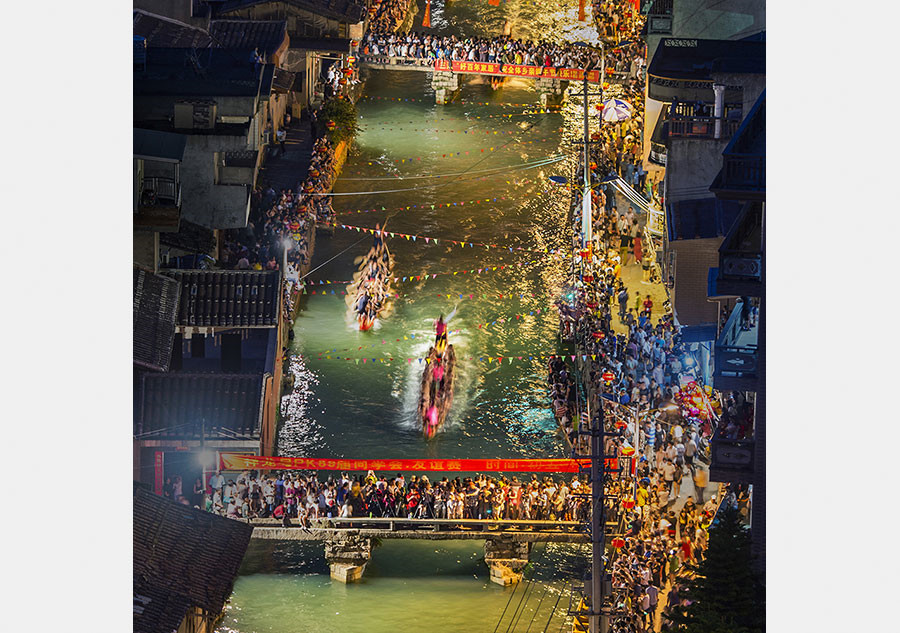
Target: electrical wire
[
  {"x": 552, "y": 611},
  {"x": 431, "y": 186},
  {"x": 336, "y": 256},
  {"x": 524, "y": 165},
  {"x": 538, "y": 607}
]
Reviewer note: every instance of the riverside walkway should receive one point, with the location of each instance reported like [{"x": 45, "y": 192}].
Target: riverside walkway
[{"x": 348, "y": 541}]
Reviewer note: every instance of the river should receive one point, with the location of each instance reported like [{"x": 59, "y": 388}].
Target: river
[{"x": 366, "y": 410}]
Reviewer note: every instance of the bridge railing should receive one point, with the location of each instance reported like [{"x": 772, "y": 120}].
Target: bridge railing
[
  {"x": 387, "y": 60},
  {"x": 434, "y": 525}
]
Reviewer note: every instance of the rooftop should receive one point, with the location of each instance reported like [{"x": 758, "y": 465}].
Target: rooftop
[
  {"x": 181, "y": 558},
  {"x": 188, "y": 405},
  {"x": 153, "y": 325},
  {"x": 210, "y": 72},
  {"x": 695, "y": 59},
  {"x": 265, "y": 35},
  {"x": 162, "y": 146},
  {"x": 161, "y": 32},
  {"x": 342, "y": 10},
  {"x": 228, "y": 298}
]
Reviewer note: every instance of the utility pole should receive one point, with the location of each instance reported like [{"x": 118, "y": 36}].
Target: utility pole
[
  {"x": 598, "y": 525},
  {"x": 586, "y": 224}
]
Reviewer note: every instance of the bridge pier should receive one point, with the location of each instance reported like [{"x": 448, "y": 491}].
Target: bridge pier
[
  {"x": 551, "y": 90},
  {"x": 445, "y": 85},
  {"x": 347, "y": 556},
  {"x": 507, "y": 559}
]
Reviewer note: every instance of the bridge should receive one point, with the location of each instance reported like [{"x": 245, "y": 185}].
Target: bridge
[
  {"x": 348, "y": 541},
  {"x": 550, "y": 82}
]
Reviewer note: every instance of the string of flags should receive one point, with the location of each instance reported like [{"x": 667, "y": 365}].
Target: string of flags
[
  {"x": 426, "y": 276},
  {"x": 461, "y": 243},
  {"x": 548, "y": 110},
  {"x": 461, "y": 101},
  {"x": 499, "y": 360},
  {"x": 385, "y": 124},
  {"x": 502, "y": 321},
  {"x": 439, "y": 205},
  {"x": 483, "y": 150},
  {"x": 439, "y": 295},
  {"x": 442, "y": 205}
]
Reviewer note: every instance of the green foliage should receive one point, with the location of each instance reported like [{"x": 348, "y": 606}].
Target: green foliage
[
  {"x": 343, "y": 113},
  {"x": 727, "y": 595}
]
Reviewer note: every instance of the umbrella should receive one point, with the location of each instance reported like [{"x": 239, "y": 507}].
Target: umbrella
[{"x": 616, "y": 110}]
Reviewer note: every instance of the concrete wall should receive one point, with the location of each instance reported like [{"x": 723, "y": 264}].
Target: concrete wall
[
  {"x": 691, "y": 166},
  {"x": 204, "y": 202},
  {"x": 146, "y": 249},
  {"x": 693, "y": 259}
]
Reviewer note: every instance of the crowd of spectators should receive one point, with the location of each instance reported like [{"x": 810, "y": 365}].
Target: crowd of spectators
[
  {"x": 284, "y": 219},
  {"x": 622, "y": 62},
  {"x": 297, "y": 496},
  {"x": 387, "y": 15}
]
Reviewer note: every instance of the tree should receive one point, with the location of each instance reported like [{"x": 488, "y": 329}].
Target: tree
[
  {"x": 726, "y": 595},
  {"x": 343, "y": 113}
]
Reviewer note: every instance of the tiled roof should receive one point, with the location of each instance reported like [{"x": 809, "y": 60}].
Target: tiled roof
[
  {"x": 190, "y": 237},
  {"x": 228, "y": 298},
  {"x": 153, "y": 323},
  {"x": 343, "y": 10},
  {"x": 182, "y": 558},
  {"x": 265, "y": 35},
  {"x": 181, "y": 405},
  {"x": 163, "y": 32}
]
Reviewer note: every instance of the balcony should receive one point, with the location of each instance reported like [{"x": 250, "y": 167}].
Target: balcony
[
  {"x": 697, "y": 127},
  {"x": 737, "y": 353},
  {"x": 740, "y": 256},
  {"x": 743, "y": 173},
  {"x": 659, "y": 16},
  {"x": 159, "y": 204}
]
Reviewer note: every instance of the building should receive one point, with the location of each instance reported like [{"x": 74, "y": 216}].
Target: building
[
  {"x": 740, "y": 349},
  {"x": 219, "y": 101},
  {"x": 185, "y": 562},
  {"x": 208, "y": 366},
  {"x": 705, "y": 87},
  {"x": 158, "y": 158},
  {"x": 693, "y": 19},
  {"x": 322, "y": 32}
]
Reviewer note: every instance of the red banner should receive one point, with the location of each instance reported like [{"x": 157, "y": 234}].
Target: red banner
[
  {"x": 514, "y": 70},
  {"x": 236, "y": 461}
]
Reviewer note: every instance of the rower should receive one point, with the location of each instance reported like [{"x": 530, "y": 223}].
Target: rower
[{"x": 440, "y": 341}]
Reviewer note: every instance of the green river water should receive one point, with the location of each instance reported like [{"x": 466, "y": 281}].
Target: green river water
[{"x": 342, "y": 408}]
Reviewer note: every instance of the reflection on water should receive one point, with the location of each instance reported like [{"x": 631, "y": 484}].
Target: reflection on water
[
  {"x": 408, "y": 586},
  {"x": 367, "y": 410}
]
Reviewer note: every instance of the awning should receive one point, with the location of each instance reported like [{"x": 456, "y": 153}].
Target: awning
[
  {"x": 286, "y": 81},
  {"x": 161, "y": 146}
]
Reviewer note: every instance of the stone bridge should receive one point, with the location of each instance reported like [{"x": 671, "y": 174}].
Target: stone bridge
[
  {"x": 348, "y": 542},
  {"x": 445, "y": 80}
]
